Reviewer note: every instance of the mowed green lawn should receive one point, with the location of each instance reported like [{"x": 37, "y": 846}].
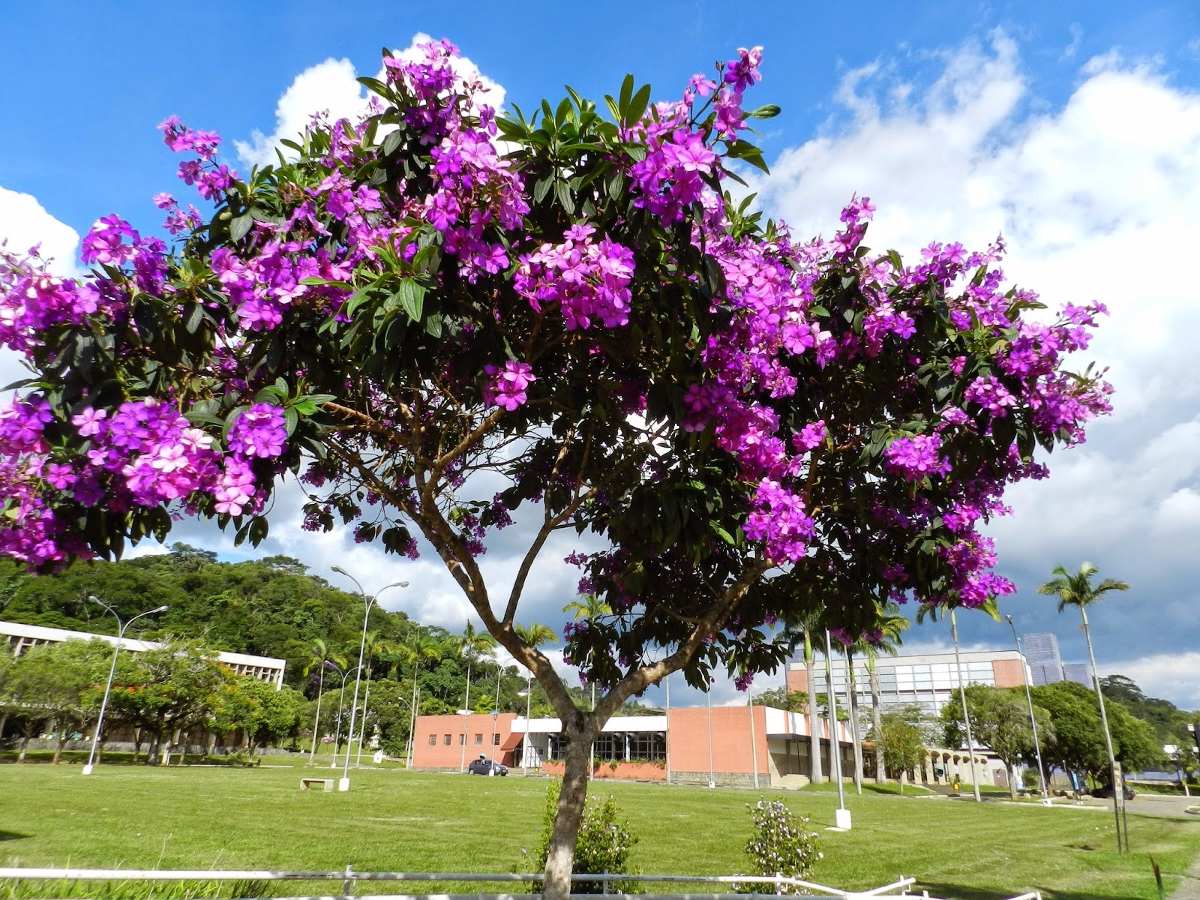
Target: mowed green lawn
[{"x": 199, "y": 818}]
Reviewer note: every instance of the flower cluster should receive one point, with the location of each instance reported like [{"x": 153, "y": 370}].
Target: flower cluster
[
  {"x": 506, "y": 385},
  {"x": 916, "y": 457},
  {"x": 588, "y": 280},
  {"x": 678, "y": 162}
]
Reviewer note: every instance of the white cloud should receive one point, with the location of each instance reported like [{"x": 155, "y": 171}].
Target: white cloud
[
  {"x": 25, "y": 223},
  {"x": 1171, "y": 675},
  {"x": 331, "y": 87},
  {"x": 1098, "y": 199}
]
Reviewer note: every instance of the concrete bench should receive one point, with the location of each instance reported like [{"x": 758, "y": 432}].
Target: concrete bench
[{"x": 308, "y": 783}]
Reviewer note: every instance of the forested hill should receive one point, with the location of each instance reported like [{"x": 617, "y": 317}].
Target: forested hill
[{"x": 270, "y": 606}]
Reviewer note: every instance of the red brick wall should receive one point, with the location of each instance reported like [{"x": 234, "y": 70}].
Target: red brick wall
[
  {"x": 1008, "y": 672},
  {"x": 631, "y": 771},
  {"x": 439, "y": 755},
  {"x": 796, "y": 679},
  {"x": 688, "y": 734}
]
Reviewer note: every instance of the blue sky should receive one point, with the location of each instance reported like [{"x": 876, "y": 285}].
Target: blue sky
[{"x": 1072, "y": 127}]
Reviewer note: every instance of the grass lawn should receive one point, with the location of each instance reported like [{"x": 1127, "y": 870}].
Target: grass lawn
[{"x": 193, "y": 818}]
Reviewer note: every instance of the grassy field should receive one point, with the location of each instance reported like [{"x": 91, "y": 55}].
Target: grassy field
[{"x": 395, "y": 820}]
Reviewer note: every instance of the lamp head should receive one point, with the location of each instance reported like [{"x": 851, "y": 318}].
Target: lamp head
[
  {"x": 339, "y": 570},
  {"x": 401, "y": 584},
  {"x": 162, "y": 608}
]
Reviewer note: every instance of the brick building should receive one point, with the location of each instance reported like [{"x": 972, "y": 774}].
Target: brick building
[{"x": 698, "y": 745}]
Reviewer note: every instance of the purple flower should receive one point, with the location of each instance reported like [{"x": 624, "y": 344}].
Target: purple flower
[{"x": 259, "y": 431}]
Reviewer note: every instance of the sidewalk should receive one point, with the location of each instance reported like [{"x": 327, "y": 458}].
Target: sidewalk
[{"x": 1189, "y": 887}]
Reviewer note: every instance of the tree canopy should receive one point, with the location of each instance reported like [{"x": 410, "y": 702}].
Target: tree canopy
[{"x": 435, "y": 316}]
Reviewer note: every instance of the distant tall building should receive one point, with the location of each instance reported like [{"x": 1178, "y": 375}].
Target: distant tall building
[
  {"x": 1045, "y": 662},
  {"x": 927, "y": 680},
  {"x": 1079, "y": 672}
]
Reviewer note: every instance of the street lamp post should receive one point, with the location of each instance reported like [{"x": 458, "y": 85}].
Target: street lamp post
[
  {"x": 712, "y": 776},
  {"x": 842, "y": 816},
  {"x": 112, "y": 669},
  {"x": 337, "y": 731},
  {"x": 368, "y": 602},
  {"x": 1037, "y": 745},
  {"x": 962, "y": 694},
  {"x": 667, "y": 733},
  {"x": 528, "y": 707}
]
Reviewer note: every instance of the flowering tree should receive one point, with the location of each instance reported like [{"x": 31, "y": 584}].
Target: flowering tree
[{"x": 434, "y": 316}]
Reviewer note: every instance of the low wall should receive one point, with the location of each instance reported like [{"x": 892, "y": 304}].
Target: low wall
[{"x": 624, "y": 771}]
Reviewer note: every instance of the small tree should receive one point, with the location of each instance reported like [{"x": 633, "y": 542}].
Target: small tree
[
  {"x": 780, "y": 845},
  {"x": 413, "y": 308},
  {"x": 1000, "y": 719},
  {"x": 903, "y": 745}
]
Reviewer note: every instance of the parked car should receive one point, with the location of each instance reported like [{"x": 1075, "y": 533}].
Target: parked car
[
  {"x": 485, "y": 766},
  {"x": 1107, "y": 791}
]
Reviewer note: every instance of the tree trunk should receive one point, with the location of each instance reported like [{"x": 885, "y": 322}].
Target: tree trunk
[
  {"x": 815, "y": 775},
  {"x": 24, "y": 748},
  {"x": 58, "y": 749},
  {"x": 1012, "y": 782},
  {"x": 852, "y": 708},
  {"x": 317, "y": 722},
  {"x": 137, "y": 744},
  {"x": 877, "y": 723},
  {"x": 572, "y": 795}
]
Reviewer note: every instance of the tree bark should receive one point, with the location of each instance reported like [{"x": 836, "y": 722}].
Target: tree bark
[
  {"x": 852, "y": 708},
  {"x": 877, "y": 723},
  {"x": 572, "y": 795},
  {"x": 815, "y": 774},
  {"x": 1012, "y": 781}
]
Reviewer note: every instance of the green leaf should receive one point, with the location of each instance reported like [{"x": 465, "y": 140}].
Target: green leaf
[
  {"x": 542, "y": 188},
  {"x": 637, "y": 106},
  {"x": 240, "y": 226},
  {"x": 392, "y": 141},
  {"x": 625, "y": 96},
  {"x": 412, "y": 298}
]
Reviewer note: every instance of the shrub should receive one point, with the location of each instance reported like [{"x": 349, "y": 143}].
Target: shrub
[
  {"x": 781, "y": 845},
  {"x": 603, "y": 845}
]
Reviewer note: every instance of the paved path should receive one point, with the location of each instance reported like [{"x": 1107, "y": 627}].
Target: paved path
[{"x": 1189, "y": 887}]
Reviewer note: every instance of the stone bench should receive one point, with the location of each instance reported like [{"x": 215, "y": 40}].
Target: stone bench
[{"x": 309, "y": 783}]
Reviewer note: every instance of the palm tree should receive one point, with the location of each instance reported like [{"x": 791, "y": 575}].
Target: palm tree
[
  {"x": 319, "y": 655},
  {"x": 852, "y": 709},
  {"x": 374, "y": 646},
  {"x": 815, "y": 774},
  {"x": 471, "y": 645},
  {"x": 535, "y": 635},
  {"x": 417, "y": 651},
  {"x": 890, "y": 626},
  {"x": 1076, "y": 589}
]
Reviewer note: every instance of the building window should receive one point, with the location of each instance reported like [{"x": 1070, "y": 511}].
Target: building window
[
  {"x": 462, "y": 738},
  {"x": 478, "y": 739},
  {"x": 496, "y": 739},
  {"x": 446, "y": 740},
  {"x": 433, "y": 740},
  {"x": 648, "y": 745}
]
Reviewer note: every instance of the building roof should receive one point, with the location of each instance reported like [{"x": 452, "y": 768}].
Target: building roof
[
  {"x": 58, "y": 635},
  {"x": 616, "y": 723}
]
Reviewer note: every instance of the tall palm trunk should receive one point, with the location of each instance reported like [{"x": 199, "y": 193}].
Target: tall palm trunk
[
  {"x": 876, "y": 720},
  {"x": 815, "y": 774},
  {"x": 362, "y": 731},
  {"x": 312, "y": 755},
  {"x": 1112, "y": 759},
  {"x": 852, "y": 707}
]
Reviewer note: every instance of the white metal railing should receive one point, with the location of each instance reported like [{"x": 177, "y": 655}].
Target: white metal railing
[{"x": 350, "y": 879}]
